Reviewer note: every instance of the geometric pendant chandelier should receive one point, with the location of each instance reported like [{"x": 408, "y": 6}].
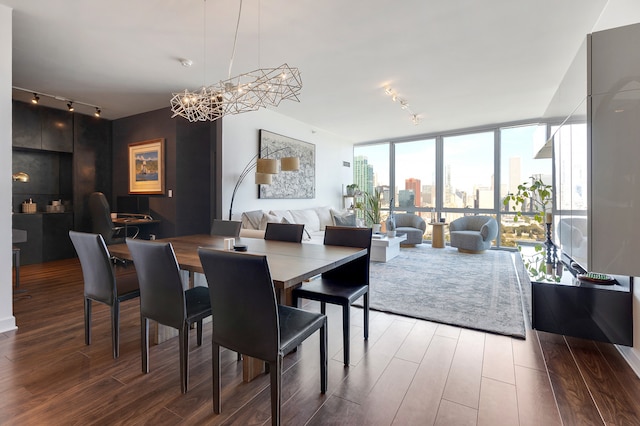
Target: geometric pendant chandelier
[{"x": 243, "y": 93}]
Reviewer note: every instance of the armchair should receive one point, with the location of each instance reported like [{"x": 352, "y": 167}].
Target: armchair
[
  {"x": 412, "y": 225},
  {"x": 473, "y": 234}
]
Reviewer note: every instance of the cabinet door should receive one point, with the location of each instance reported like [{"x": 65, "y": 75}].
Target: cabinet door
[
  {"x": 615, "y": 193},
  {"x": 56, "y": 243},
  {"x": 57, "y": 130},
  {"x": 26, "y": 126}
]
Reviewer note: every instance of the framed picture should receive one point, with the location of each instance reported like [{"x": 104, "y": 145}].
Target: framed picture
[
  {"x": 299, "y": 184},
  {"x": 146, "y": 167}
]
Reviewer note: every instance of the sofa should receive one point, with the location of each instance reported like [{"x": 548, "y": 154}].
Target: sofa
[
  {"x": 314, "y": 219},
  {"x": 413, "y": 226},
  {"x": 473, "y": 234}
]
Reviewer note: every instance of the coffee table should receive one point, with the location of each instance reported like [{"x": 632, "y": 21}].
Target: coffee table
[{"x": 385, "y": 248}]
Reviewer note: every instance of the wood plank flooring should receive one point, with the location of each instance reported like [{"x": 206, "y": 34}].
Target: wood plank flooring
[{"x": 409, "y": 372}]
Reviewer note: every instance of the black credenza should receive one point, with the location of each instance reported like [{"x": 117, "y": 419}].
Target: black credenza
[{"x": 584, "y": 309}]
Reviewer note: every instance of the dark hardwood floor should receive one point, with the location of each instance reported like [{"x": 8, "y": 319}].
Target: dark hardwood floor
[{"x": 409, "y": 372}]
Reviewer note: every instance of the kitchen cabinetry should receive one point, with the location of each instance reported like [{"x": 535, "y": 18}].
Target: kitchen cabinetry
[{"x": 42, "y": 128}]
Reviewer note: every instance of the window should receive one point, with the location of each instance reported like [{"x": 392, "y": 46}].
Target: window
[
  {"x": 468, "y": 171},
  {"x": 371, "y": 170},
  {"x": 415, "y": 174},
  {"x": 518, "y": 148}
]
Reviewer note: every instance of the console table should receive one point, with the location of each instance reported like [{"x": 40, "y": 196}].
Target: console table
[{"x": 584, "y": 309}]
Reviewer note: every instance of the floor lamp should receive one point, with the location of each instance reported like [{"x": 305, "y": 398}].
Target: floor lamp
[{"x": 265, "y": 169}]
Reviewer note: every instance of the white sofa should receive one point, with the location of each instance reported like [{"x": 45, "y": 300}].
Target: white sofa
[{"x": 314, "y": 219}]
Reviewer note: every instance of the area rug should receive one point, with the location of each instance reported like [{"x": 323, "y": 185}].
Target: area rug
[{"x": 477, "y": 291}]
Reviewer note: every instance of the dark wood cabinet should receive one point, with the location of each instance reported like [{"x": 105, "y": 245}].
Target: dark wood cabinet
[
  {"x": 585, "y": 310},
  {"x": 47, "y": 236},
  {"x": 27, "y": 132},
  {"x": 42, "y": 128},
  {"x": 57, "y": 130}
]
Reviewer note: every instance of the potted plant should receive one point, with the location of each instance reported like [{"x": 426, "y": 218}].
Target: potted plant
[
  {"x": 351, "y": 189},
  {"x": 372, "y": 210},
  {"x": 540, "y": 197}
]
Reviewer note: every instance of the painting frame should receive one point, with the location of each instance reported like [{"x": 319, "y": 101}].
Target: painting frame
[
  {"x": 146, "y": 167},
  {"x": 300, "y": 184}
]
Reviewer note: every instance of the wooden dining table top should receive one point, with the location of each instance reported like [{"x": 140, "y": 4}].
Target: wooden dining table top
[{"x": 289, "y": 263}]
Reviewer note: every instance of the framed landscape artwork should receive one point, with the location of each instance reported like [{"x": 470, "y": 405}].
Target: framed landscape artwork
[
  {"x": 298, "y": 184},
  {"x": 146, "y": 167}
]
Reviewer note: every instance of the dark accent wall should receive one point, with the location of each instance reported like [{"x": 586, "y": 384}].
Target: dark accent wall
[
  {"x": 91, "y": 165},
  {"x": 191, "y": 150}
]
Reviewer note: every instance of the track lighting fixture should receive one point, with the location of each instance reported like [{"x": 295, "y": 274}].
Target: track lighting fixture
[
  {"x": 415, "y": 118},
  {"x": 70, "y": 103}
]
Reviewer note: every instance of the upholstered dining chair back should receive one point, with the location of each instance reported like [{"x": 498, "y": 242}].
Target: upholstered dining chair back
[
  {"x": 291, "y": 232},
  {"x": 101, "y": 282},
  {"x": 249, "y": 320},
  {"x": 356, "y": 271},
  {"x": 163, "y": 299},
  {"x": 226, "y": 228}
]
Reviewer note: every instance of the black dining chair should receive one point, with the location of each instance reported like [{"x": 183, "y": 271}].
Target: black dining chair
[
  {"x": 291, "y": 232},
  {"x": 163, "y": 299},
  {"x": 101, "y": 283},
  {"x": 249, "y": 320},
  {"x": 345, "y": 284},
  {"x": 226, "y": 228}
]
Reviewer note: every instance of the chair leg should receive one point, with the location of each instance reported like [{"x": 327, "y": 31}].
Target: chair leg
[
  {"x": 87, "y": 321},
  {"x": 366, "y": 316},
  {"x": 199, "y": 332},
  {"x": 276, "y": 390},
  {"x": 144, "y": 331},
  {"x": 184, "y": 357},
  {"x": 323, "y": 308},
  {"x": 215, "y": 365},
  {"x": 323, "y": 358},
  {"x": 346, "y": 336},
  {"x": 115, "y": 328}
]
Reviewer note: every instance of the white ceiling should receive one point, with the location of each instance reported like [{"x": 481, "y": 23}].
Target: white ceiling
[{"x": 458, "y": 63}]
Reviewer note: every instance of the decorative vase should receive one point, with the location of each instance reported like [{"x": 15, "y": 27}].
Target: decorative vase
[
  {"x": 376, "y": 228},
  {"x": 391, "y": 234}
]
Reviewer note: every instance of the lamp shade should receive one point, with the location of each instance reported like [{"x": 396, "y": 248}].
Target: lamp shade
[
  {"x": 263, "y": 178},
  {"x": 267, "y": 165},
  {"x": 20, "y": 177},
  {"x": 290, "y": 164}
]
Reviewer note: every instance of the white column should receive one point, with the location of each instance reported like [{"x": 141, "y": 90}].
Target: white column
[{"x": 7, "y": 320}]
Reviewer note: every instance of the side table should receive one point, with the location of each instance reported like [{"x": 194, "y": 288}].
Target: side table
[{"x": 437, "y": 234}]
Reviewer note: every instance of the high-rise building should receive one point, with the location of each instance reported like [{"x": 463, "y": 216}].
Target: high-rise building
[
  {"x": 363, "y": 173},
  {"x": 413, "y": 184}
]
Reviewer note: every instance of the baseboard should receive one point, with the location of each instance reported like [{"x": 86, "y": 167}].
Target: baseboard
[
  {"x": 8, "y": 324},
  {"x": 631, "y": 357}
]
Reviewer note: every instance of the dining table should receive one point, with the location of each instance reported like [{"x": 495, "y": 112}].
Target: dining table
[{"x": 289, "y": 263}]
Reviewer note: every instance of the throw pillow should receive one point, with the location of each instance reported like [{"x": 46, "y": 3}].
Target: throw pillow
[
  {"x": 266, "y": 217},
  {"x": 251, "y": 220},
  {"x": 344, "y": 219}
]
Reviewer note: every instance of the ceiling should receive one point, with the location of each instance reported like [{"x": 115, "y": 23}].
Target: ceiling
[{"x": 458, "y": 64}]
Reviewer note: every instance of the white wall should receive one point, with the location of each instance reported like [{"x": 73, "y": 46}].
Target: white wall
[
  {"x": 619, "y": 13},
  {"x": 7, "y": 320},
  {"x": 240, "y": 134}
]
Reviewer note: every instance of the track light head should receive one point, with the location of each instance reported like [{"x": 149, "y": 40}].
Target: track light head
[
  {"x": 70, "y": 106},
  {"x": 35, "y": 98},
  {"x": 97, "y": 113}
]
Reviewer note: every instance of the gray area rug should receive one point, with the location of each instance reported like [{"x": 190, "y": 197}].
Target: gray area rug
[{"x": 478, "y": 291}]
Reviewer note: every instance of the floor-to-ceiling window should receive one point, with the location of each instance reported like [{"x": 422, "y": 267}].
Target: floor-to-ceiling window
[
  {"x": 458, "y": 174},
  {"x": 518, "y": 149}
]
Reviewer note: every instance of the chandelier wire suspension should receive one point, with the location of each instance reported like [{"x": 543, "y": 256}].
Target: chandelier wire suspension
[{"x": 245, "y": 92}]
